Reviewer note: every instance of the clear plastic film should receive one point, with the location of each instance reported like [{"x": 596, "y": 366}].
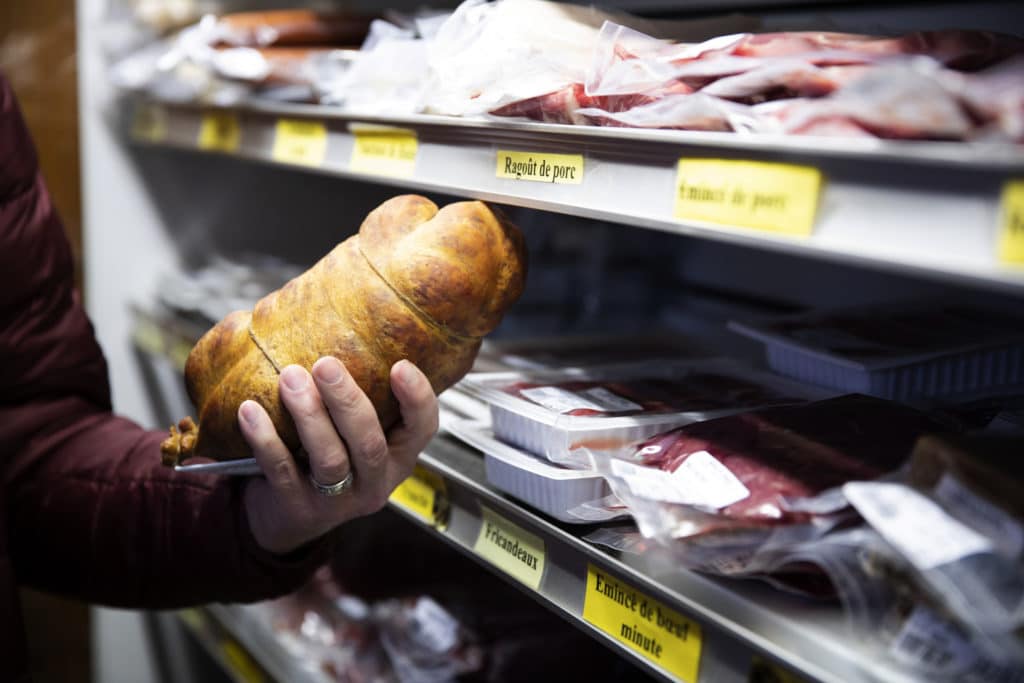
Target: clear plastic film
[
  {"x": 727, "y": 495},
  {"x": 954, "y": 521}
]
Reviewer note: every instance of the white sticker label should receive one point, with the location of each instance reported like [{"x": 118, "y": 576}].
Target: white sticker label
[
  {"x": 915, "y": 525},
  {"x": 989, "y": 519},
  {"x": 931, "y": 645},
  {"x": 701, "y": 480},
  {"x": 435, "y": 628},
  {"x": 710, "y": 481},
  {"x": 562, "y": 401}
]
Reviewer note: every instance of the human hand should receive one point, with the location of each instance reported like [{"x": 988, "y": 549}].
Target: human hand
[{"x": 340, "y": 432}]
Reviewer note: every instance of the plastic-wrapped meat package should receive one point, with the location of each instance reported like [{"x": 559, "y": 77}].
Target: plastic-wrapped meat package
[
  {"x": 958, "y": 524},
  {"x": 287, "y": 27},
  {"x": 290, "y": 55},
  {"x": 679, "y": 112},
  {"x": 737, "y": 488},
  {"x": 558, "y": 414},
  {"x": 491, "y": 54},
  {"x": 889, "y": 611},
  {"x": 996, "y": 96},
  {"x": 904, "y": 101},
  {"x": 572, "y": 104},
  {"x": 424, "y": 642},
  {"x": 329, "y": 632},
  {"x": 527, "y": 58},
  {"x": 373, "y": 85}
]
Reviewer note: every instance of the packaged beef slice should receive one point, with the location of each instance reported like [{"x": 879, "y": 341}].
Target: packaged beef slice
[{"x": 728, "y": 492}]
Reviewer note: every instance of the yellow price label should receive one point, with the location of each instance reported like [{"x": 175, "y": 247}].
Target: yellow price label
[
  {"x": 563, "y": 169},
  {"x": 388, "y": 153},
  {"x": 511, "y": 548},
  {"x": 193, "y": 618},
  {"x": 148, "y": 337},
  {"x": 150, "y": 122},
  {"x": 220, "y": 131},
  {"x": 658, "y": 633},
  {"x": 179, "y": 354},
  {"x": 780, "y": 198},
  {"x": 762, "y": 671},
  {"x": 1011, "y": 224},
  {"x": 422, "y": 494},
  {"x": 297, "y": 141},
  {"x": 240, "y": 663}
]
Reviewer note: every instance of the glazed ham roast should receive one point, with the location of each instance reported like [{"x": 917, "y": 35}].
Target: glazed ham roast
[{"x": 415, "y": 283}]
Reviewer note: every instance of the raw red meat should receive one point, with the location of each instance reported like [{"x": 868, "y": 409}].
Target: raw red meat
[
  {"x": 897, "y": 101},
  {"x": 562, "y": 106},
  {"x": 699, "y": 391},
  {"x": 783, "y": 79},
  {"x": 958, "y": 49},
  {"x": 789, "y": 453},
  {"x": 680, "y": 112},
  {"x": 996, "y": 96}
]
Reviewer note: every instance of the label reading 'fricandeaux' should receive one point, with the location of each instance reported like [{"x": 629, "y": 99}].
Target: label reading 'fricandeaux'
[
  {"x": 659, "y": 634},
  {"x": 779, "y": 198},
  {"x": 562, "y": 169},
  {"x": 511, "y": 548}
]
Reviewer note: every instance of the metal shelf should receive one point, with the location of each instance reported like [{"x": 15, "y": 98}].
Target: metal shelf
[
  {"x": 743, "y": 626},
  {"x": 929, "y": 209}
]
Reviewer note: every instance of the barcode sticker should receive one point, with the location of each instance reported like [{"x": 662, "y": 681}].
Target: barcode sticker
[
  {"x": 597, "y": 399},
  {"x": 913, "y": 524},
  {"x": 929, "y": 644}
]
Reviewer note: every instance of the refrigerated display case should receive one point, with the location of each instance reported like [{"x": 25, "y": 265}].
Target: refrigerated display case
[{"x": 168, "y": 184}]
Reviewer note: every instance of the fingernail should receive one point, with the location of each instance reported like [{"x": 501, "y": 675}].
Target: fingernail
[
  {"x": 249, "y": 412},
  {"x": 328, "y": 370},
  {"x": 293, "y": 377},
  {"x": 406, "y": 375}
]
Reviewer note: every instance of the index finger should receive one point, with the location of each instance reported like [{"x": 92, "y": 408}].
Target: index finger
[{"x": 418, "y": 405}]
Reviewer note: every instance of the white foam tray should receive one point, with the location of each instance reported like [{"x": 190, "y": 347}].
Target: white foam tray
[
  {"x": 549, "y": 488},
  {"x": 557, "y": 436}
]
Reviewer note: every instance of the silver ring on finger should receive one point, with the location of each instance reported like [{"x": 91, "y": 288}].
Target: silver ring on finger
[{"x": 333, "y": 489}]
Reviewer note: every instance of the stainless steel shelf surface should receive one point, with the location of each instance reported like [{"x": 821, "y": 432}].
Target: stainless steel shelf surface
[{"x": 948, "y": 211}]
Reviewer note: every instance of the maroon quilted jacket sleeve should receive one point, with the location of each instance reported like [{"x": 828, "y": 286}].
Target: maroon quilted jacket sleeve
[{"x": 90, "y": 512}]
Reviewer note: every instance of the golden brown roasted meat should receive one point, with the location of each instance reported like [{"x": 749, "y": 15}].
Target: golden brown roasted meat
[{"x": 415, "y": 283}]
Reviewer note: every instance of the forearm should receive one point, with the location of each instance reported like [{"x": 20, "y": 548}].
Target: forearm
[{"x": 94, "y": 514}]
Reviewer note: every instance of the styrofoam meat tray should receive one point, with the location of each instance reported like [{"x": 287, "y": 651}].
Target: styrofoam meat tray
[
  {"x": 549, "y": 488},
  {"x": 948, "y": 363},
  {"x": 559, "y": 437}
]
